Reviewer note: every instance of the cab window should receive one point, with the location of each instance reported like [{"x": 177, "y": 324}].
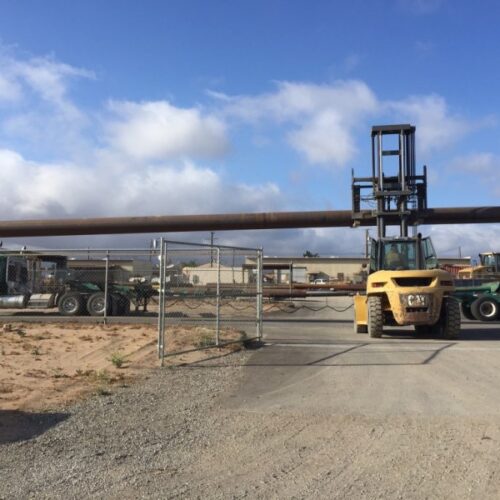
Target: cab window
[{"x": 430, "y": 259}]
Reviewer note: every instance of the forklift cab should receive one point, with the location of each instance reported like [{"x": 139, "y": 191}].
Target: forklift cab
[
  {"x": 404, "y": 253},
  {"x": 490, "y": 260}
]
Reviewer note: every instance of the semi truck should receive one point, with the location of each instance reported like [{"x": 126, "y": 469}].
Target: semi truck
[{"x": 47, "y": 282}]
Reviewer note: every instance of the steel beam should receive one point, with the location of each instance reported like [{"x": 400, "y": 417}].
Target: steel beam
[{"x": 225, "y": 222}]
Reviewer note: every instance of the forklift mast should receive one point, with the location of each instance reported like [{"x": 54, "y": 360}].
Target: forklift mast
[{"x": 391, "y": 195}]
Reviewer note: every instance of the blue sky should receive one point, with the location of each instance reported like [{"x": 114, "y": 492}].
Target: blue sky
[{"x": 205, "y": 107}]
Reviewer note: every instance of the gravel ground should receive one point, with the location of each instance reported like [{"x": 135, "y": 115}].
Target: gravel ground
[{"x": 182, "y": 433}]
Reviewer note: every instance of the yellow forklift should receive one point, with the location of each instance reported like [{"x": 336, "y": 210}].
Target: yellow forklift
[{"x": 405, "y": 285}]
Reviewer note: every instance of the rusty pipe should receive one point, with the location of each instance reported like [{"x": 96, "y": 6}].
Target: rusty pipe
[{"x": 237, "y": 221}]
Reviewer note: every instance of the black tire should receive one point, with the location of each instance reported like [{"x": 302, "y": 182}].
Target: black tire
[
  {"x": 375, "y": 317},
  {"x": 71, "y": 304},
  {"x": 450, "y": 319},
  {"x": 96, "y": 304},
  {"x": 120, "y": 305},
  {"x": 467, "y": 313},
  {"x": 485, "y": 308}
]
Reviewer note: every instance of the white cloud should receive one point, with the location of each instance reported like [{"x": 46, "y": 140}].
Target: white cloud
[
  {"x": 9, "y": 90},
  {"x": 325, "y": 140},
  {"x": 478, "y": 163},
  {"x": 56, "y": 190},
  {"x": 482, "y": 168},
  {"x": 45, "y": 77},
  {"x": 437, "y": 127},
  {"x": 294, "y": 100},
  {"x": 158, "y": 130},
  {"x": 323, "y": 117},
  {"x": 38, "y": 111},
  {"x": 470, "y": 238}
]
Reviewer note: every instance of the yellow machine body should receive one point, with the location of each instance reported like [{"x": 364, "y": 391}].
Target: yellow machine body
[{"x": 408, "y": 297}]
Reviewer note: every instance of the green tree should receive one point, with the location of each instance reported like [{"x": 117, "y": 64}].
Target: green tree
[{"x": 308, "y": 253}]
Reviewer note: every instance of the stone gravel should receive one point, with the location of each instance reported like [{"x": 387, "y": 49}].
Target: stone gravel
[
  {"x": 125, "y": 444},
  {"x": 189, "y": 432}
]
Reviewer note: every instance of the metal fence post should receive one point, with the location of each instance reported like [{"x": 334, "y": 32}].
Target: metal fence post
[
  {"x": 106, "y": 294},
  {"x": 164, "y": 286},
  {"x": 160, "y": 303},
  {"x": 260, "y": 292},
  {"x": 217, "y": 321}
]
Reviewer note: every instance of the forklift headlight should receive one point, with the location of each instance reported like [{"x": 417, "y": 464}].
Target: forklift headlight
[{"x": 417, "y": 300}]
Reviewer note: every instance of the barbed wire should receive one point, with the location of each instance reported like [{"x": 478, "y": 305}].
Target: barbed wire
[
  {"x": 279, "y": 307},
  {"x": 293, "y": 310}
]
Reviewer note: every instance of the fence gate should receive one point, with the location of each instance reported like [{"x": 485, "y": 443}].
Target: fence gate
[{"x": 209, "y": 296}]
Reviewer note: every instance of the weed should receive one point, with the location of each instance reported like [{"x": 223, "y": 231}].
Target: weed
[
  {"x": 39, "y": 337},
  {"x": 36, "y": 351},
  {"x": 5, "y": 389},
  {"x": 59, "y": 374},
  {"x": 20, "y": 332},
  {"x": 118, "y": 359},
  {"x": 101, "y": 391},
  {"x": 102, "y": 376}
]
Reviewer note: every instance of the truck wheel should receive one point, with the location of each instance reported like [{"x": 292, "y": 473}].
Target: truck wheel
[
  {"x": 485, "y": 308},
  {"x": 96, "y": 304},
  {"x": 71, "y": 304},
  {"x": 450, "y": 318},
  {"x": 467, "y": 312},
  {"x": 375, "y": 317}
]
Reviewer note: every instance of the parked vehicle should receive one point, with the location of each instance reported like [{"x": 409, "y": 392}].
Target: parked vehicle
[
  {"x": 25, "y": 282},
  {"x": 487, "y": 270},
  {"x": 480, "y": 303}
]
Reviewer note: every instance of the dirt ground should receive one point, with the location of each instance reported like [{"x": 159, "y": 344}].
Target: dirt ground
[{"x": 47, "y": 366}]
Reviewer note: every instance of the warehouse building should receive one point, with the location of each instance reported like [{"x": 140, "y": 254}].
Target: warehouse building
[{"x": 283, "y": 270}]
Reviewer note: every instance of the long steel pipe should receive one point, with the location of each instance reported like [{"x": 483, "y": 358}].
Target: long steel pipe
[{"x": 224, "y": 222}]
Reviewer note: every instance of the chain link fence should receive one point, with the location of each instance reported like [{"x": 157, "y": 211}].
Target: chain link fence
[
  {"x": 219, "y": 291},
  {"x": 200, "y": 295}
]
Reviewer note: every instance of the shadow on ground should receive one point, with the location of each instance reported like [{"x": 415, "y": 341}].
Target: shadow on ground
[{"x": 18, "y": 425}]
